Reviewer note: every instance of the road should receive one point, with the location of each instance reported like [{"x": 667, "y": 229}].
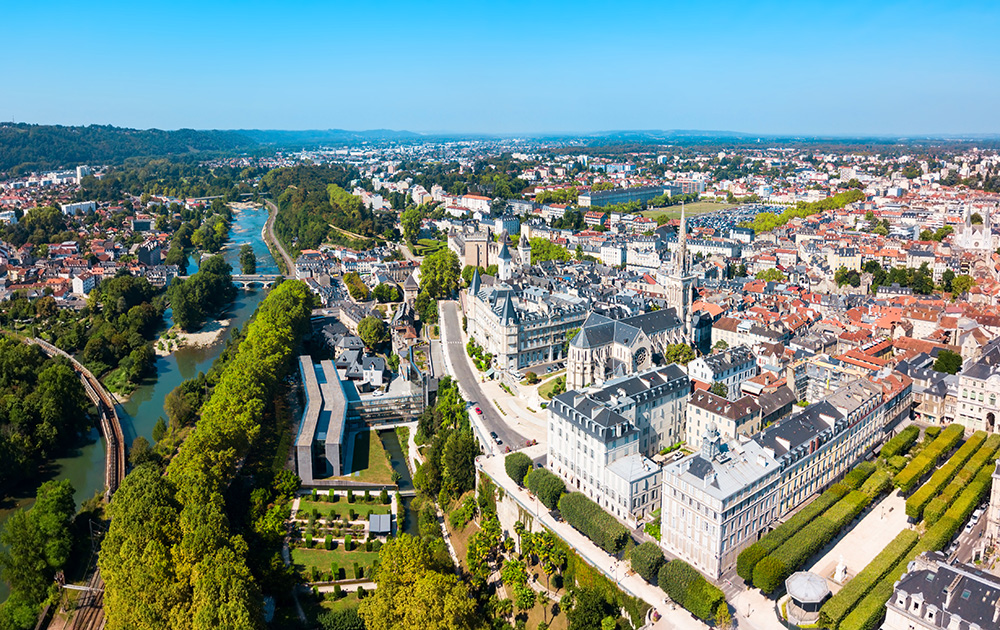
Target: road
[
  {"x": 967, "y": 542},
  {"x": 272, "y": 214},
  {"x": 451, "y": 340}
]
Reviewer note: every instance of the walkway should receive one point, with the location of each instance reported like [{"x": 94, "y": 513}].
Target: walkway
[{"x": 269, "y": 238}]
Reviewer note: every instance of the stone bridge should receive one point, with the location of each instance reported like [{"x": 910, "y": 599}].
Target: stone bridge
[{"x": 254, "y": 281}]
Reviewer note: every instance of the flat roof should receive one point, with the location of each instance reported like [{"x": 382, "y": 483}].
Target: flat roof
[{"x": 325, "y": 414}]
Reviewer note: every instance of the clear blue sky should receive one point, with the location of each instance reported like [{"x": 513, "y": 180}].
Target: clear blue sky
[{"x": 806, "y": 67}]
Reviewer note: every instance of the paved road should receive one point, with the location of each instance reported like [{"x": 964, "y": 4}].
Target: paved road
[
  {"x": 269, "y": 226},
  {"x": 451, "y": 340},
  {"x": 967, "y": 542}
]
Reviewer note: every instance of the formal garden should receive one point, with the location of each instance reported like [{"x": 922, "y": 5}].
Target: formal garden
[{"x": 330, "y": 537}]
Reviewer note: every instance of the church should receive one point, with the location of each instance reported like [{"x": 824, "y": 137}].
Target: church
[{"x": 976, "y": 237}]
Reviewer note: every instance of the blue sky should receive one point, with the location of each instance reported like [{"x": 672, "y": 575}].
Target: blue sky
[{"x": 805, "y": 67}]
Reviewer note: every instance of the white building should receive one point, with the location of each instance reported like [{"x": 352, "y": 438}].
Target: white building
[
  {"x": 82, "y": 207},
  {"x": 935, "y": 594},
  {"x": 600, "y": 438},
  {"x": 730, "y": 367}
]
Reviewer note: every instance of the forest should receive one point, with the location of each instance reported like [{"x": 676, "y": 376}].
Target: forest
[
  {"x": 206, "y": 293},
  {"x": 25, "y": 148},
  {"x": 173, "y": 178}
]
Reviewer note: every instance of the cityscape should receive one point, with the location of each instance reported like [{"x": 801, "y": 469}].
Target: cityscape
[{"x": 683, "y": 345}]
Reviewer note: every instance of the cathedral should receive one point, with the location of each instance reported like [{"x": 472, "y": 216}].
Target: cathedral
[{"x": 976, "y": 237}]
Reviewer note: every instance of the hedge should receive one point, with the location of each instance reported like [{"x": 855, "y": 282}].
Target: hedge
[
  {"x": 646, "y": 560},
  {"x": 838, "y": 606},
  {"x": 900, "y": 443},
  {"x": 877, "y": 484},
  {"x": 687, "y": 587},
  {"x": 932, "y": 432},
  {"x": 916, "y": 503},
  {"x": 750, "y": 556},
  {"x": 813, "y": 537},
  {"x": 593, "y": 522},
  {"x": 856, "y": 477},
  {"x": 546, "y": 486},
  {"x": 937, "y": 506},
  {"x": 928, "y": 458},
  {"x": 898, "y": 462},
  {"x": 517, "y": 466}
]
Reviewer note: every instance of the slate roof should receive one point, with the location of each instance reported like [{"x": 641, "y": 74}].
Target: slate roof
[{"x": 959, "y": 590}]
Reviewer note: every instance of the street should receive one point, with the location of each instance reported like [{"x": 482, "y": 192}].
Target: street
[{"x": 451, "y": 340}]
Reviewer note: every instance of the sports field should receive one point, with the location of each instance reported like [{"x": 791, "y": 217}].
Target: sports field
[{"x": 690, "y": 209}]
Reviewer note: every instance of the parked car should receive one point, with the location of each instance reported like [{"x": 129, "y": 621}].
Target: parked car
[
  {"x": 493, "y": 434},
  {"x": 479, "y": 411}
]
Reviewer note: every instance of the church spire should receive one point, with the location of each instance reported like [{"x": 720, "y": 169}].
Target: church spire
[{"x": 682, "y": 245}]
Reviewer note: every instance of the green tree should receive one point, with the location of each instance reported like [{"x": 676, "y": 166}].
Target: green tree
[
  {"x": 926, "y": 235},
  {"x": 678, "y": 353},
  {"x": 347, "y": 619},
  {"x": 719, "y": 389},
  {"x": 411, "y": 219},
  {"x": 248, "y": 261},
  {"x": 720, "y": 345},
  {"x": 517, "y": 465},
  {"x": 439, "y": 274},
  {"x": 459, "y": 456},
  {"x": 646, "y": 559},
  {"x": 543, "y": 249},
  {"x": 373, "y": 331},
  {"x": 962, "y": 285},
  {"x": 947, "y": 278},
  {"x": 948, "y": 362},
  {"x": 976, "y": 219},
  {"x": 723, "y": 618},
  {"x": 387, "y": 293},
  {"x": 588, "y": 609},
  {"x": 771, "y": 275}
]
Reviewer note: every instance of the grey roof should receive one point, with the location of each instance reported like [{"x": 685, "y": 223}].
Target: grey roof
[
  {"x": 508, "y": 314},
  {"x": 807, "y": 587},
  {"x": 771, "y": 402},
  {"x": 959, "y": 590},
  {"x": 798, "y": 429},
  {"x": 373, "y": 363},
  {"x": 723, "y": 407},
  {"x": 732, "y": 357},
  {"x": 379, "y": 523},
  {"x": 504, "y": 253}
]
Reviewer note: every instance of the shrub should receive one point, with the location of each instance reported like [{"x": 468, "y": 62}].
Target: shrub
[
  {"x": 857, "y": 476},
  {"x": 368, "y": 545},
  {"x": 348, "y": 543},
  {"x": 314, "y": 494},
  {"x": 357, "y": 571},
  {"x": 309, "y": 541},
  {"x": 877, "y": 484},
  {"x": 350, "y": 496},
  {"x": 898, "y": 462},
  {"x": 352, "y": 514},
  {"x": 769, "y": 574},
  {"x": 932, "y": 432},
  {"x": 688, "y": 588},
  {"x": 517, "y": 466},
  {"x": 900, "y": 443},
  {"x": 747, "y": 560},
  {"x": 916, "y": 503},
  {"x": 838, "y": 606},
  {"x": 928, "y": 458},
  {"x": 937, "y": 506},
  {"x": 869, "y": 613},
  {"x": 646, "y": 560},
  {"x": 361, "y": 592},
  {"x": 335, "y": 571},
  {"x": 383, "y": 497},
  {"x": 593, "y": 522},
  {"x": 368, "y": 496},
  {"x": 328, "y": 542},
  {"x": 546, "y": 486},
  {"x": 338, "y": 592}
]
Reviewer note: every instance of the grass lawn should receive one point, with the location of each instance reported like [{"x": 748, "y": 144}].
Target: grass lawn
[
  {"x": 304, "y": 559},
  {"x": 690, "y": 209},
  {"x": 559, "y": 622},
  {"x": 545, "y": 389},
  {"x": 347, "y": 602},
  {"x": 342, "y": 507},
  {"x": 370, "y": 462}
]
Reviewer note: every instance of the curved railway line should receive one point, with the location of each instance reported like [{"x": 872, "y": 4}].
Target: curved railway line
[{"x": 111, "y": 428}]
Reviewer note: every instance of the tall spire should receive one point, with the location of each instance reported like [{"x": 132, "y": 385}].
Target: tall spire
[{"x": 682, "y": 245}]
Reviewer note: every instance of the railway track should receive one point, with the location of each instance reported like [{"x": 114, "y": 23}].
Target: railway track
[
  {"x": 110, "y": 425},
  {"x": 89, "y": 613}
]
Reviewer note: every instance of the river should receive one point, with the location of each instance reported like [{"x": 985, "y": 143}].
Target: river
[{"x": 84, "y": 467}]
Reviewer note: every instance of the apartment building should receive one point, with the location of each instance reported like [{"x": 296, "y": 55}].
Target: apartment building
[
  {"x": 718, "y": 501},
  {"x": 730, "y": 367},
  {"x": 730, "y": 418},
  {"x": 934, "y": 594},
  {"x": 600, "y": 439},
  {"x": 978, "y": 390}
]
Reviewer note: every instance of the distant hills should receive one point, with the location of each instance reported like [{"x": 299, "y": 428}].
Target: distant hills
[
  {"x": 326, "y": 136},
  {"x": 25, "y": 147}
]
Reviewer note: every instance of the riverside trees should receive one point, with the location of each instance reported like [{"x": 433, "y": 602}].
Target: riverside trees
[{"x": 206, "y": 292}]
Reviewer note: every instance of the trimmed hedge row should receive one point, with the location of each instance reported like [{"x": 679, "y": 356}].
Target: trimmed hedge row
[
  {"x": 688, "y": 588},
  {"x": 593, "y": 522},
  {"x": 749, "y": 557},
  {"x": 813, "y": 537},
  {"x": 545, "y": 485},
  {"x": 869, "y": 613},
  {"x": 857, "y": 476},
  {"x": 916, "y": 503},
  {"x": 838, "y": 606},
  {"x": 985, "y": 456},
  {"x": 928, "y": 458},
  {"x": 900, "y": 443},
  {"x": 877, "y": 484}
]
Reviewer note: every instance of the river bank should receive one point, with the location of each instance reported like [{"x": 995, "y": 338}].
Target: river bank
[{"x": 174, "y": 339}]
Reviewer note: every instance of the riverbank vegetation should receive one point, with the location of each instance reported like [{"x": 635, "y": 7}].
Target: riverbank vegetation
[
  {"x": 206, "y": 293},
  {"x": 198, "y": 547}
]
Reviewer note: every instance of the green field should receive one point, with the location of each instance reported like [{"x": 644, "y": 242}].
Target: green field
[
  {"x": 342, "y": 507},
  {"x": 304, "y": 559},
  {"x": 690, "y": 209},
  {"x": 370, "y": 463},
  {"x": 545, "y": 389}
]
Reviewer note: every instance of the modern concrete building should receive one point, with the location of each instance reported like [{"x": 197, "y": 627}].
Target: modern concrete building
[
  {"x": 320, "y": 439},
  {"x": 600, "y": 438}
]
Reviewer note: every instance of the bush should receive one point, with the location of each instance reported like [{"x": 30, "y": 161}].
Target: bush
[
  {"x": 857, "y": 476},
  {"x": 546, "y": 486},
  {"x": 350, "y": 496},
  {"x": 383, "y": 497},
  {"x": 916, "y": 503},
  {"x": 900, "y": 443},
  {"x": 898, "y": 462},
  {"x": 357, "y": 571},
  {"x": 593, "y": 522},
  {"x": 335, "y": 571},
  {"x": 646, "y": 560},
  {"x": 928, "y": 458},
  {"x": 838, "y": 606},
  {"x": 877, "y": 484},
  {"x": 769, "y": 574},
  {"x": 937, "y": 506},
  {"x": 688, "y": 588},
  {"x": 328, "y": 542},
  {"x": 368, "y": 496},
  {"x": 932, "y": 432},
  {"x": 517, "y": 466},
  {"x": 348, "y": 543},
  {"x": 772, "y": 540}
]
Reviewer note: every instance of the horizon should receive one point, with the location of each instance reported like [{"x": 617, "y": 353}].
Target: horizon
[{"x": 772, "y": 68}]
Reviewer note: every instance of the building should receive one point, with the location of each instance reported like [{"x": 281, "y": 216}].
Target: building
[
  {"x": 729, "y": 418},
  {"x": 520, "y": 328},
  {"x": 84, "y": 283},
  {"x": 978, "y": 390},
  {"x": 606, "y": 348},
  {"x": 719, "y": 501},
  {"x": 934, "y": 594},
  {"x": 730, "y": 367},
  {"x": 600, "y": 438},
  {"x": 975, "y": 237},
  {"x": 78, "y": 208},
  {"x": 622, "y": 195},
  {"x": 320, "y": 439}
]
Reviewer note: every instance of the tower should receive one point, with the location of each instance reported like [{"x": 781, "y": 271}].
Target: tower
[
  {"x": 524, "y": 251},
  {"x": 680, "y": 282},
  {"x": 504, "y": 263}
]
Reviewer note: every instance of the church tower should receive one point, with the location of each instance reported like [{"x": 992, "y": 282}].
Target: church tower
[{"x": 680, "y": 282}]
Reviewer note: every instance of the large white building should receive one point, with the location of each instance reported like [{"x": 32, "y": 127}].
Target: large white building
[
  {"x": 600, "y": 439},
  {"x": 976, "y": 406},
  {"x": 935, "y": 594},
  {"x": 520, "y": 328},
  {"x": 718, "y": 502}
]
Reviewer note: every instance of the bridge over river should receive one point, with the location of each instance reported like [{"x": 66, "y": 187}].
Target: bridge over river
[{"x": 251, "y": 281}]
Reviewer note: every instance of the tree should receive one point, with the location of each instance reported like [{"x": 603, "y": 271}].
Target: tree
[
  {"x": 517, "y": 466},
  {"x": 646, "y": 560},
  {"x": 926, "y": 235},
  {"x": 678, "y": 353},
  {"x": 771, "y": 275},
  {"x": 22, "y": 560},
  {"x": 248, "y": 261},
  {"x": 411, "y": 219},
  {"x": 347, "y": 619},
  {"x": 723, "y": 618},
  {"x": 976, "y": 219},
  {"x": 393, "y": 362},
  {"x": 948, "y": 362},
  {"x": 524, "y": 597},
  {"x": 373, "y": 331},
  {"x": 459, "y": 457},
  {"x": 719, "y": 389},
  {"x": 387, "y": 293},
  {"x": 159, "y": 429},
  {"x": 947, "y": 278},
  {"x": 962, "y": 285},
  {"x": 720, "y": 345},
  {"x": 588, "y": 609},
  {"x": 531, "y": 377},
  {"x": 439, "y": 274}
]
